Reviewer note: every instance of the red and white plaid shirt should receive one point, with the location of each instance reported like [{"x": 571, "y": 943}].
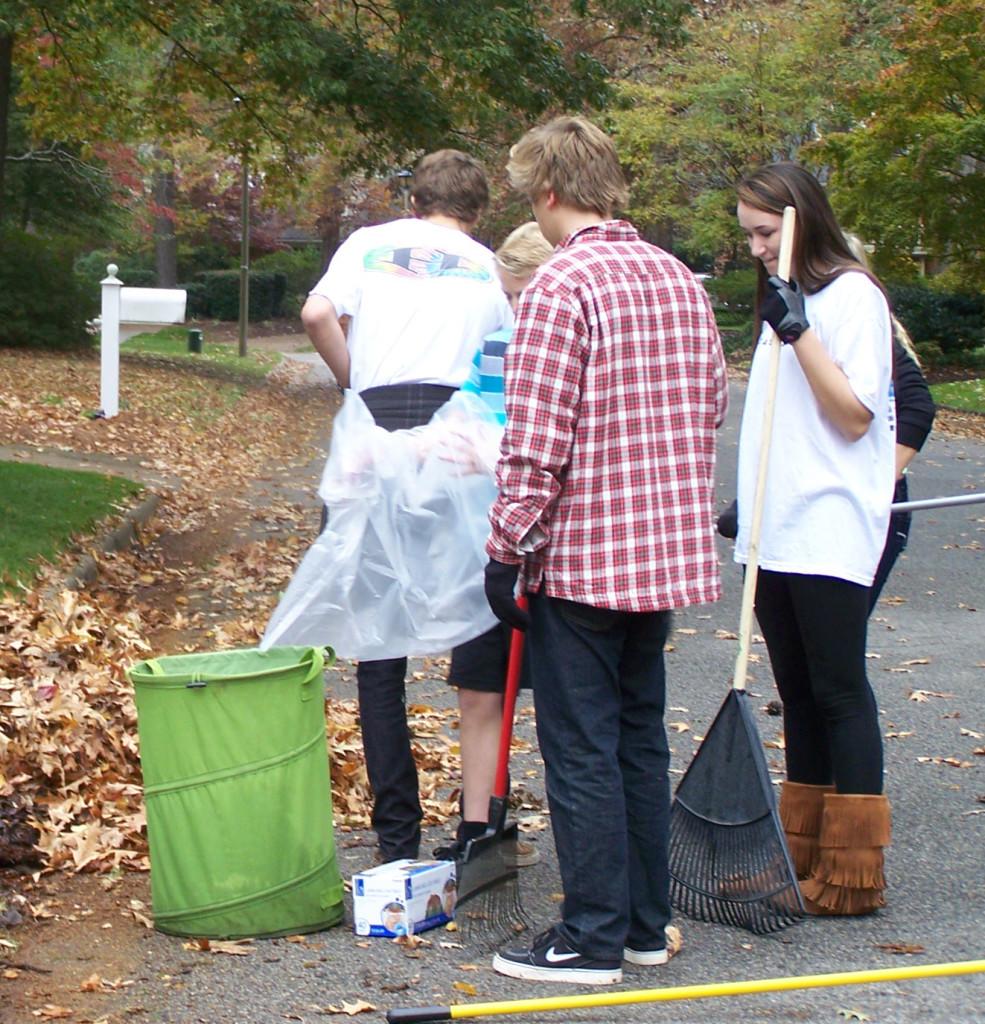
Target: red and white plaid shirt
[{"x": 615, "y": 384}]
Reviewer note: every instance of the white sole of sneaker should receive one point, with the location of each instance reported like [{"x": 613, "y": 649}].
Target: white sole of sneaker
[
  {"x": 571, "y": 975},
  {"x": 645, "y": 957}
]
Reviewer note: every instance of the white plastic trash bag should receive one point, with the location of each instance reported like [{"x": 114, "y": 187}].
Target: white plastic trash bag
[{"x": 399, "y": 568}]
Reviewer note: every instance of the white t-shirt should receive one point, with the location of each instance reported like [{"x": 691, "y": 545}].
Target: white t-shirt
[
  {"x": 826, "y": 509},
  {"x": 422, "y": 296}
]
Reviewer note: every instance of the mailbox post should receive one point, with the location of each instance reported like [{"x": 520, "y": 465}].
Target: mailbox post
[
  {"x": 109, "y": 348},
  {"x": 124, "y": 313}
]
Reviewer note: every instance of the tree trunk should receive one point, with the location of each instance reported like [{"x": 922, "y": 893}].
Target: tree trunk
[
  {"x": 165, "y": 239},
  {"x": 6, "y": 64}
]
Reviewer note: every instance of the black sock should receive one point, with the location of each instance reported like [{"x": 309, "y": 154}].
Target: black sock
[{"x": 472, "y": 829}]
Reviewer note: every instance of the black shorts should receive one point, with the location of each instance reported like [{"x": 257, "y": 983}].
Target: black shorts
[{"x": 480, "y": 664}]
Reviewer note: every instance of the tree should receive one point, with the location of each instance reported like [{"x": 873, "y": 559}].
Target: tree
[
  {"x": 910, "y": 171},
  {"x": 755, "y": 82},
  {"x": 274, "y": 82}
]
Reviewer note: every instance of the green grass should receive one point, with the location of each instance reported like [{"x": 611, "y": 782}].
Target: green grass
[
  {"x": 41, "y": 509},
  {"x": 172, "y": 342},
  {"x": 967, "y": 395}
]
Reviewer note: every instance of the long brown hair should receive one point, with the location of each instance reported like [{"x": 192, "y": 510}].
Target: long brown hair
[{"x": 820, "y": 252}]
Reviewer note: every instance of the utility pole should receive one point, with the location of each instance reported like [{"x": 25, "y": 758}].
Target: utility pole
[{"x": 244, "y": 247}]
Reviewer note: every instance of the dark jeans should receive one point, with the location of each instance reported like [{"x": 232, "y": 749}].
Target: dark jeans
[
  {"x": 815, "y": 627},
  {"x": 382, "y": 693},
  {"x": 599, "y": 692},
  {"x": 896, "y": 538},
  {"x": 389, "y": 762}
]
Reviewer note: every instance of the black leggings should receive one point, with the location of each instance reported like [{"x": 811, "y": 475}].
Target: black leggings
[{"x": 815, "y": 629}]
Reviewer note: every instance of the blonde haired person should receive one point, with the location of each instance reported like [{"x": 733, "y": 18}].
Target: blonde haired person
[
  {"x": 480, "y": 691},
  {"x": 517, "y": 259},
  {"x": 615, "y": 384}
]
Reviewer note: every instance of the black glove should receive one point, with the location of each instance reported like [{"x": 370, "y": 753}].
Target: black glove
[
  {"x": 728, "y": 521},
  {"x": 501, "y": 594},
  {"x": 783, "y": 309}
]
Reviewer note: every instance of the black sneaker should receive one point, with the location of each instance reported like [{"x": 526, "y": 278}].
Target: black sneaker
[{"x": 550, "y": 958}]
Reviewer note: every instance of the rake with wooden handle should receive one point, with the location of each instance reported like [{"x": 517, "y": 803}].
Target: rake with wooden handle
[{"x": 729, "y": 861}]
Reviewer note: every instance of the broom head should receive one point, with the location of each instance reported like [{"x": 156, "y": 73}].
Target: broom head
[{"x": 729, "y": 861}]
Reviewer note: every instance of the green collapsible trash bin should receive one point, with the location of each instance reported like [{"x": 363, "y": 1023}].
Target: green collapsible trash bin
[{"x": 238, "y": 792}]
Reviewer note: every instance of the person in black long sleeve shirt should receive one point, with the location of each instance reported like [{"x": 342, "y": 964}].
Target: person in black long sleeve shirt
[
  {"x": 914, "y": 417},
  {"x": 915, "y": 411}
]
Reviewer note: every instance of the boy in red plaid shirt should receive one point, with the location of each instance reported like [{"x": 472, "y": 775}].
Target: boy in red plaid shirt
[{"x": 615, "y": 383}]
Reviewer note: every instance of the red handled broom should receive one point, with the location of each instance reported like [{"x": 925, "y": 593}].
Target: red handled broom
[
  {"x": 729, "y": 861},
  {"x": 488, "y": 884}
]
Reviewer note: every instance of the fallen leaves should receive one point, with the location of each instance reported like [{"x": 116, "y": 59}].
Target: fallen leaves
[
  {"x": 900, "y": 948},
  {"x": 242, "y": 947},
  {"x": 51, "y": 1011},
  {"x": 952, "y": 762},
  {"x": 69, "y": 743},
  {"x": 94, "y": 983},
  {"x": 922, "y": 696},
  {"x": 346, "y": 1008}
]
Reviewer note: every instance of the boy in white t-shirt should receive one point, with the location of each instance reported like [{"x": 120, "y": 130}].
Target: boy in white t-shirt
[{"x": 421, "y": 295}]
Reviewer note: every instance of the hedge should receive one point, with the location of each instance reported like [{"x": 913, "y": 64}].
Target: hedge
[
  {"x": 42, "y": 302},
  {"x": 736, "y": 290},
  {"x": 134, "y": 271},
  {"x": 951, "y": 321},
  {"x": 215, "y": 294}
]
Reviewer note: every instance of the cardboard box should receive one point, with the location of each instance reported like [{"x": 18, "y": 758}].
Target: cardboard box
[{"x": 403, "y": 897}]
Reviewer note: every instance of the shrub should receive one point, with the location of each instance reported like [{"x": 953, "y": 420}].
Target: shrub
[
  {"x": 135, "y": 271},
  {"x": 735, "y": 290},
  {"x": 301, "y": 267},
  {"x": 194, "y": 259},
  {"x": 197, "y": 306},
  {"x": 221, "y": 294},
  {"x": 42, "y": 302},
  {"x": 950, "y": 320}
]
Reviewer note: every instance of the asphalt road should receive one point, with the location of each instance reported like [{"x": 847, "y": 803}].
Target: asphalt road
[{"x": 927, "y": 635}]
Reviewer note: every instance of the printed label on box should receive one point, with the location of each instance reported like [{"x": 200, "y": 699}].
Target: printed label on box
[{"x": 403, "y": 897}]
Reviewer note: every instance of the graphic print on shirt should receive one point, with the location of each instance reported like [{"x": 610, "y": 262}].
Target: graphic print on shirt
[{"x": 421, "y": 261}]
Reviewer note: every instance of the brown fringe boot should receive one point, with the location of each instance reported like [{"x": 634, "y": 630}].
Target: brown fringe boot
[
  {"x": 848, "y": 878},
  {"x": 801, "y": 807}
]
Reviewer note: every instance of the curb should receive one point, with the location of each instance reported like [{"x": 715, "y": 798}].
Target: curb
[{"x": 87, "y": 568}]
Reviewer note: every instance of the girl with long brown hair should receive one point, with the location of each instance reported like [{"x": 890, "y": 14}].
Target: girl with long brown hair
[{"x": 825, "y": 518}]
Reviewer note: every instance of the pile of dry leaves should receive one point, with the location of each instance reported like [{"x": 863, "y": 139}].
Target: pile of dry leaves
[{"x": 69, "y": 764}]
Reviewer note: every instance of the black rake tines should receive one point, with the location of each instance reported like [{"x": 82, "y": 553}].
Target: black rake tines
[
  {"x": 493, "y": 918},
  {"x": 729, "y": 862}
]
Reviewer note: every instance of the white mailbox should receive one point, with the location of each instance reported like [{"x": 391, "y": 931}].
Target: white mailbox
[
  {"x": 144, "y": 309},
  {"x": 126, "y": 312}
]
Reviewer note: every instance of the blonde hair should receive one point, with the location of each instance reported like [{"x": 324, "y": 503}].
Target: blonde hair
[
  {"x": 575, "y": 160},
  {"x": 524, "y": 249},
  {"x": 452, "y": 183},
  {"x": 901, "y": 334}
]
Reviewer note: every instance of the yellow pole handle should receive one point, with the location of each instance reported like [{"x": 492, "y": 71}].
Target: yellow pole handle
[{"x": 728, "y": 988}]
